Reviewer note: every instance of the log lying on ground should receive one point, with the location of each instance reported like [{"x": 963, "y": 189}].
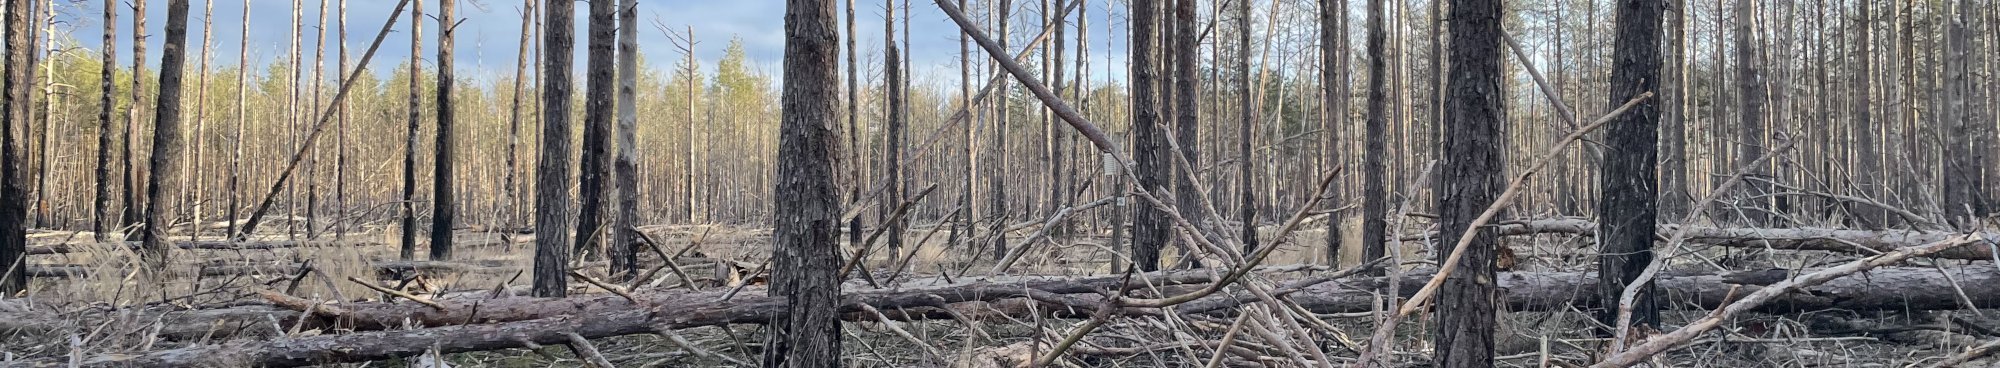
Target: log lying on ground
[
  {"x": 598, "y": 317},
  {"x": 200, "y": 245},
  {"x": 386, "y": 269},
  {"x": 1802, "y": 238}
]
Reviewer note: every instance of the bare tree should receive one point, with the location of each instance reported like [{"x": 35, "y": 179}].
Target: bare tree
[
  {"x": 131, "y": 187},
  {"x": 1962, "y": 174},
  {"x": 892, "y": 135},
  {"x": 1469, "y": 180},
  {"x": 1674, "y": 118},
  {"x": 1149, "y": 224},
  {"x": 996, "y": 164},
  {"x": 595, "y": 181},
  {"x": 1861, "y": 124},
  {"x": 1750, "y": 133},
  {"x": 1333, "y": 81},
  {"x": 625, "y": 233},
  {"x": 1245, "y": 181},
  {"x": 107, "y": 135},
  {"x": 166, "y": 134},
  {"x": 235, "y": 184},
  {"x": 444, "y": 208},
  {"x": 194, "y": 194},
  {"x": 552, "y": 214},
  {"x": 1628, "y": 210},
  {"x": 14, "y": 107},
  {"x": 804, "y": 254},
  {"x": 514, "y": 123},
  {"x": 1374, "y": 200},
  {"x": 409, "y": 202}
]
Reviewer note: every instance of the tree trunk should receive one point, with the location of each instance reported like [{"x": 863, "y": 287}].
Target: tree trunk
[
  {"x": 416, "y": 111},
  {"x": 1962, "y": 173},
  {"x": 1247, "y": 212},
  {"x": 1750, "y": 134},
  {"x": 594, "y": 184},
  {"x": 131, "y": 187},
  {"x": 444, "y": 206},
  {"x": 804, "y": 249},
  {"x": 107, "y": 134},
  {"x": 624, "y": 231},
  {"x": 513, "y": 186},
  {"x": 1674, "y": 197},
  {"x": 1469, "y": 180},
  {"x": 1862, "y": 127},
  {"x": 997, "y": 159},
  {"x": 552, "y": 168},
  {"x": 242, "y": 118},
  {"x": 892, "y": 134},
  {"x": 166, "y": 135},
  {"x": 194, "y": 194},
  {"x": 1374, "y": 200},
  {"x": 1149, "y": 224},
  {"x": 1628, "y": 206},
  {"x": 14, "y": 107},
  {"x": 1333, "y": 79}
]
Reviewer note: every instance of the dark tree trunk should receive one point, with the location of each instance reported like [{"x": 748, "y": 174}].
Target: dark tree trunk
[
  {"x": 14, "y": 107},
  {"x": 1333, "y": 79},
  {"x": 625, "y": 235},
  {"x": 1245, "y": 181},
  {"x": 166, "y": 136},
  {"x": 1867, "y": 158},
  {"x": 1962, "y": 174},
  {"x": 1674, "y": 199},
  {"x": 892, "y": 135},
  {"x": 409, "y": 202},
  {"x": 1186, "y": 124},
  {"x": 804, "y": 256},
  {"x": 131, "y": 187},
  {"x": 1149, "y": 224},
  {"x": 107, "y": 134},
  {"x": 595, "y": 182},
  {"x": 444, "y": 211},
  {"x": 552, "y": 168},
  {"x": 513, "y": 186},
  {"x": 1374, "y": 200},
  {"x": 997, "y": 160},
  {"x": 1628, "y": 206},
  {"x": 1470, "y": 180}
]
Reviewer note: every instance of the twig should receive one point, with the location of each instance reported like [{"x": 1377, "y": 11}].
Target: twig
[
  {"x": 587, "y": 351},
  {"x": 400, "y": 294},
  {"x": 869, "y": 245},
  {"x": 928, "y": 349},
  {"x": 614, "y": 289},
  {"x": 677, "y": 339}
]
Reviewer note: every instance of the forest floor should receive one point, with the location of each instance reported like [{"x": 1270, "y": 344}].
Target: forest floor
[{"x": 96, "y": 279}]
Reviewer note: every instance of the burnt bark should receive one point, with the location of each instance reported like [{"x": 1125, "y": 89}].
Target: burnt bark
[
  {"x": 1149, "y": 149},
  {"x": 444, "y": 208},
  {"x": 1374, "y": 158},
  {"x": 14, "y": 107},
  {"x": 1469, "y": 180},
  {"x": 625, "y": 235},
  {"x": 804, "y": 259},
  {"x": 594, "y": 184},
  {"x": 1333, "y": 79},
  {"x": 552, "y": 168},
  {"x": 107, "y": 134},
  {"x": 1628, "y": 208},
  {"x": 166, "y": 134},
  {"x": 409, "y": 202}
]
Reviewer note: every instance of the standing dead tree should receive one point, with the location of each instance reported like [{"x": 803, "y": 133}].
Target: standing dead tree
[
  {"x": 1470, "y": 179},
  {"x": 14, "y": 107},
  {"x": 1629, "y": 207},
  {"x": 166, "y": 134},
  {"x": 552, "y": 168},
  {"x": 131, "y": 178},
  {"x": 444, "y": 208},
  {"x": 107, "y": 135},
  {"x": 804, "y": 250},
  {"x": 624, "y": 231},
  {"x": 594, "y": 181},
  {"x": 415, "y": 108}
]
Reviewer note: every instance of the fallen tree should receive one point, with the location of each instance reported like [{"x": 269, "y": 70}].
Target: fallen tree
[
  {"x": 1801, "y": 238},
  {"x": 538, "y": 322},
  {"x": 386, "y": 269},
  {"x": 196, "y": 245}
]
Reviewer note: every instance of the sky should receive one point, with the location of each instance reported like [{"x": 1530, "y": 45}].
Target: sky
[{"x": 488, "y": 37}]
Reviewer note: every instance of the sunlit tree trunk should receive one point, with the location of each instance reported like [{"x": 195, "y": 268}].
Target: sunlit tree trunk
[
  {"x": 552, "y": 168},
  {"x": 804, "y": 252}
]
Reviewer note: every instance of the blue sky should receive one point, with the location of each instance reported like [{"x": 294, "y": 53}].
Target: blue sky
[{"x": 487, "y": 38}]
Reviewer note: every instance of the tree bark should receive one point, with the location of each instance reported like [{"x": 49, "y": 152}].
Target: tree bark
[
  {"x": 1470, "y": 179},
  {"x": 1862, "y": 126},
  {"x": 14, "y": 107},
  {"x": 625, "y": 235},
  {"x": 1961, "y": 171},
  {"x": 513, "y": 186},
  {"x": 416, "y": 111},
  {"x": 594, "y": 184},
  {"x": 1674, "y": 197},
  {"x": 997, "y": 159},
  {"x": 805, "y": 257},
  {"x": 1333, "y": 79},
  {"x": 892, "y": 133},
  {"x": 1750, "y": 129},
  {"x": 107, "y": 135},
  {"x": 166, "y": 135},
  {"x": 1374, "y": 200},
  {"x": 1150, "y": 230},
  {"x": 444, "y": 207},
  {"x": 552, "y": 168},
  {"x": 1247, "y": 212},
  {"x": 1628, "y": 205}
]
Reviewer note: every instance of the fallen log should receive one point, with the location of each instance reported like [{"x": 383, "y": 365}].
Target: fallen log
[
  {"x": 198, "y": 245},
  {"x": 1802, "y": 238},
  {"x": 599, "y": 317},
  {"x": 386, "y": 269}
]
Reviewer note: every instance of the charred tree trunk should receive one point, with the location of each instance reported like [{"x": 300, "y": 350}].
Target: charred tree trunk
[
  {"x": 1374, "y": 200},
  {"x": 1862, "y": 126},
  {"x": 1961, "y": 171},
  {"x": 1149, "y": 224},
  {"x": 805, "y": 252},
  {"x": 595, "y": 182},
  {"x": 1628, "y": 206},
  {"x": 131, "y": 187},
  {"x": 107, "y": 134},
  {"x": 892, "y": 134},
  {"x": 1333, "y": 81},
  {"x": 997, "y": 161},
  {"x": 14, "y": 107},
  {"x": 166, "y": 136},
  {"x": 552, "y": 168},
  {"x": 1750, "y": 133},
  {"x": 1470, "y": 179},
  {"x": 1245, "y": 181},
  {"x": 242, "y": 118},
  {"x": 444, "y": 208},
  {"x": 416, "y": 104},
  {"x": 1674, "y": 118}
]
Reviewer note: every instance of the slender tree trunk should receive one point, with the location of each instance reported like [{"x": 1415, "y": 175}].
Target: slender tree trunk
[
  {"x": 297, "y": 34},
  {"x": 14, "y": 107},
  {"x": 1674, "y": 95},
  {"x": 1862, "y": 126},
  {"x": 409, "y": 202},
  {"x": 166, "y": 135},
  {"x": 1750, "y": 136},
  {"x": 242, "y": 118},
  {"x": 1059, "y": 190},
  {"x": 1186, "y": 87},
  {"x": 804, "y": 255},
  {"x": 194, "y": 194},
  {"x": 444, "y": 208},
  {"x": 107, "y": 134},
  {"x": 340, "y": 163},
  {"x": 1245, "y": 181},
  {"x": 1374, "y": 203},
  {"x": 997, "y": 161},
  {"x": 594, "y": 183},
  {"x": 552, "y": 168},
  {"x": 1333, "y": 82},
  {"x": 965, "y": 224},
  {"x": 625, "y": 233},
  {"x": 1962, "y": 173},
  {"x": 694, "y": 74},
  {"x": 312, "y": 163},
  {"x": 1469, "y": 180},
  {"x": 132, "y": 204},
  {"x": 892, "y": 137},
  {"x": 1628, "y": 176},
  {"x": 1149, "y": 225},
  {"x": 513, "y": 189}
]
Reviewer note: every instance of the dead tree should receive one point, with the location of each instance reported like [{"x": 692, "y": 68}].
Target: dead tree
[
  {"x": 1333, "y": 81},
  {"x": 1861, "y": 126},
  {"x": 14, "y": 107},
  {"x": 805, "y": 257},
  {"x": 1150, "y": 230},
  {"x": 340, "y": 156},
  {"x": 107, "y": 135},
  {"x": 1750, "y": 131},
  {"x": 552, "y": 168},
  {"x": 166, "y": 134},
  {"x": 1245, "y": 181},
  {"x": 1674, "y": 94},
  {"x": 235, "y": 184},
  {"x": 1628, "y": 206},
  {"x": 131, "y": 187},
  {"x": 624, "y": 231},
  {"x": 513, "y": 188},
  {"x": 444, "y": 208},
  {"x": 1470, "y": 180},
  {"x": 594, "y": 182},
  {"x": 415, "y": 108},
  {"x": 892, "y": 133},
  {"x": 1962, "y": 174},
  {"x": 1186, "y": 83},
  {"x": 195, "y": 194},
  {"x": 1374, "y": 200},
  {"x": 996, "y": 162}
]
